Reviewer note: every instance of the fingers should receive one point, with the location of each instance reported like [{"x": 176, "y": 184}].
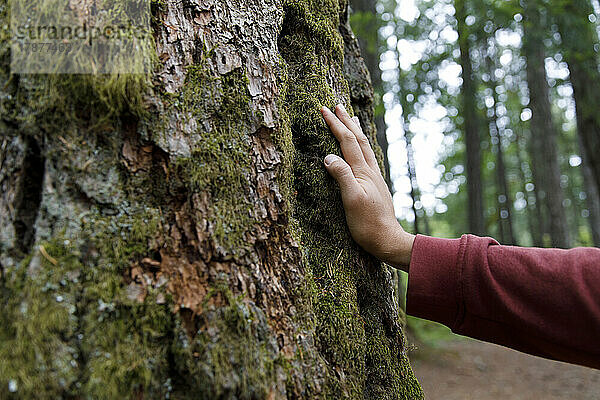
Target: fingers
[
  {"x": 348, "y": 142},
  {"x": 342, "y": 173},
  {"x": 353, "y": 124}
]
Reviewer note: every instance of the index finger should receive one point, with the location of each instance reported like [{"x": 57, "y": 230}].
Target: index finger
[
  {"x": 355, "y": 128},
  {"x": 348, "y": 142}
]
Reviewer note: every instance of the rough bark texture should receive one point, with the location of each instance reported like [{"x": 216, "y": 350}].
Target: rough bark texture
[
  {"x": 470, "y": 126},
  {"x": 544, "y": 153},
  {"x": 176, "y": 236}
]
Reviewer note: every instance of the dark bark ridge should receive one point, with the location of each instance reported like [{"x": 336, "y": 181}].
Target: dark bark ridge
[{"x": 187, "y": 242}]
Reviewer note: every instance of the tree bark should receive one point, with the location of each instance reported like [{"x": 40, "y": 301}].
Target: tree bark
[
  {"x": 471, "y": 126},
  {"x": 176, "y": 235},
  {"x": 544, "y": 154}
]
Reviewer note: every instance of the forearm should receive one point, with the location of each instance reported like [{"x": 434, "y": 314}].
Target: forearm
[{"x": 540, "y": 301}]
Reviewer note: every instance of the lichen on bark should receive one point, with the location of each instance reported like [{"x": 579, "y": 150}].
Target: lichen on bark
[{"x": 187, "y": 240}]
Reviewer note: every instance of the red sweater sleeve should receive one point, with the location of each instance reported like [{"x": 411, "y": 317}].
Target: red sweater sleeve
[{"x": 544, "y": 302}]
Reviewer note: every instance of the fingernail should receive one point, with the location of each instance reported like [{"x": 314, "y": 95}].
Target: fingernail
[
  {"x": 325, "y": 109},
  {"x": 329, "y": 159},
  {"x": 342, "y": 108}
]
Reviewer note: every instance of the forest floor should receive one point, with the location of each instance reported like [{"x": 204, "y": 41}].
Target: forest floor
[{"x": 457, "y": 368}]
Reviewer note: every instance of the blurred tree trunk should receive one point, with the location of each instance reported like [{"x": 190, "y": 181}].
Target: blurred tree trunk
[
  {"x": 579, "y": 38},
  {"x": 176, "y": 236},
  {"x": 544, "y": 154},
  {"x": 412, "y": 176},
  {"x": 471, "y": 126},
  {"x": 592, "y": 195},
  {"x": 503, "y": 196},
  {"x": 535, "y": 230}
]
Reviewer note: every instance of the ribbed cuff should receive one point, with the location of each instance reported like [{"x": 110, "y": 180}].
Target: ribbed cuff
[{"x": 434, "y": 291}]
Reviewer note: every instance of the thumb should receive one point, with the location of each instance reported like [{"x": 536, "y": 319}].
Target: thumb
[{"x": 342, "y": 173}]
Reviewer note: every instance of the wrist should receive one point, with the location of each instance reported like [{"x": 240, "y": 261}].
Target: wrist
[{"x": 399, "y": 251}]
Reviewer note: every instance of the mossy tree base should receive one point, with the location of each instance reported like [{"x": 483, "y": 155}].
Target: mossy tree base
[{"x": 176, "y": 236}]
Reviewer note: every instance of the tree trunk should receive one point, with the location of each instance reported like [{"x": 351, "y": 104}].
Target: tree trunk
[
  {"x": 177, "y": 236},
  {"x": 592, "y": 195},
  {"x": 504, "y": 199},
  {"x": 544, "y": 154},
  {"x": 412, "y": 176},
  {"x": 503, "y": 195},
  {"x": 471, "y": 126},
  {"x": 535, "y": 229},
  {"x": 579, "y": 36}
]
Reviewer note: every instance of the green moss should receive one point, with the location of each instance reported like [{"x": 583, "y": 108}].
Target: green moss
[
  {"x": 69, "y": 329},
  {"x": 309, "y": 43},
  {"x": 126, "y": 346},
  {"x": 37, "y": 355},
  {"x": 220, "y": 161},
  {"x": 235, "y": 358},
  {"x": 389, "y": 368},
  {"x": 317, "y": 20},
  {"x": 43, "y": 103}
]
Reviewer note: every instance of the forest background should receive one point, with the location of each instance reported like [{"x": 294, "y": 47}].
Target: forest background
[{"x": 489, "y": 110}]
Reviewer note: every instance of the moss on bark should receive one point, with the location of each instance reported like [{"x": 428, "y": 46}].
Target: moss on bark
[{"x": 220, "y": 161}]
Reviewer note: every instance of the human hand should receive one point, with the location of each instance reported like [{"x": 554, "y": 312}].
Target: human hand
[{"x": 367, "y": 200}]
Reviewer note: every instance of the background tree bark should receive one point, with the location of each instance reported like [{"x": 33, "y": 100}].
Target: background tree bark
[
  {"x": 471, "y": 125},
  {"x": 503, "y": 197},
  {"x": 544, "y": 154},
  {"x": 593, "y": 197},
  {"x": 579, "y": 37},
  {"x": 534, "y": 220},
  {"x": 176, "y": 235}
]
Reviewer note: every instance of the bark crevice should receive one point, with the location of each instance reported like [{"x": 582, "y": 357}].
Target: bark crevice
[{"x": 29, "y": 195}]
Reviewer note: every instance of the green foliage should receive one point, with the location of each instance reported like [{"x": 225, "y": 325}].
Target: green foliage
[
  {"x": 430, "y": 334},
  {"x": 419, "y": 85}
]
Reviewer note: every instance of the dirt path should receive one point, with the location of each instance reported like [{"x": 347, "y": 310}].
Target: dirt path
[{"x": 470, "y": 369}]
